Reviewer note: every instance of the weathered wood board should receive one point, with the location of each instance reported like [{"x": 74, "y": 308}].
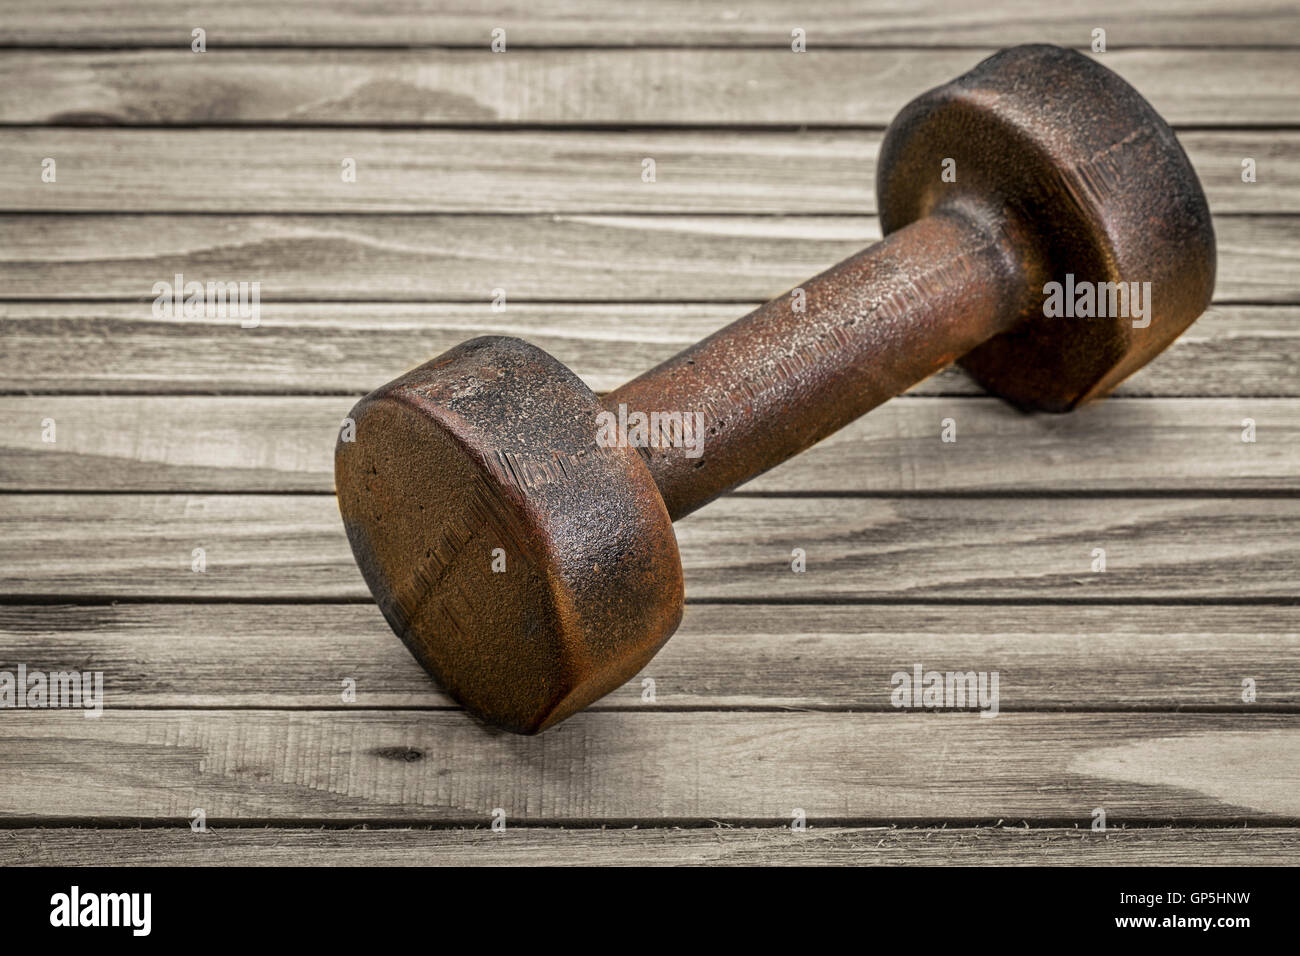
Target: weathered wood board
[{"x": 1164, "y": 689}]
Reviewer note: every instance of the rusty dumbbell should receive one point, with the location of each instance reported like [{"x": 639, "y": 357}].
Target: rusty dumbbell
[{"x": 532, "y": 568}]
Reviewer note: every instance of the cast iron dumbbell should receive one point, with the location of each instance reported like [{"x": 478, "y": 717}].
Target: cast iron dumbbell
[{"x": 533, "y": 569}]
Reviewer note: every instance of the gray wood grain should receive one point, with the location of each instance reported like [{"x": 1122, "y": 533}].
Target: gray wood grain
[
  {"x": 793, "y": 657},
  {"x": 675, "y": 22},
  {"x": 284, "y": 444},
  {"x": 1119, "y": 690},
  {"x": 697, "y": 846},
  {"x": 621, "y": 88},
  {"x": 740, "y": 547},
  {"x": 275, "y": 766},
  {"x": 423, "y": 257},
  {"x": 473, "y": 171},
  {"x": 350, "y": 348}
]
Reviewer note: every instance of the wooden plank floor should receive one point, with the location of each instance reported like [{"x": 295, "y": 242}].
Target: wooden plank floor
[{"x": 1120, "y": 690}]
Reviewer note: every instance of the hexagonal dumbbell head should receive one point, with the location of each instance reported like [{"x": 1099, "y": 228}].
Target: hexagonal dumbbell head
[
  {"x": 1101, "y": 190},
  {"x": 528, "y": 569}
]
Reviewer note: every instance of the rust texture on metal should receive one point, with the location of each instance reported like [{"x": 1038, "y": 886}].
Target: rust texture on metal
[
  {"x": 525, "y": 567},
  {"x": 780, "y": 380},
  {"x": 532, "y": 570}
]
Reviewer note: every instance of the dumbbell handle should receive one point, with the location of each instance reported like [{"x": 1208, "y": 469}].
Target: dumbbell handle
[{"x": 779, "y": 380}]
